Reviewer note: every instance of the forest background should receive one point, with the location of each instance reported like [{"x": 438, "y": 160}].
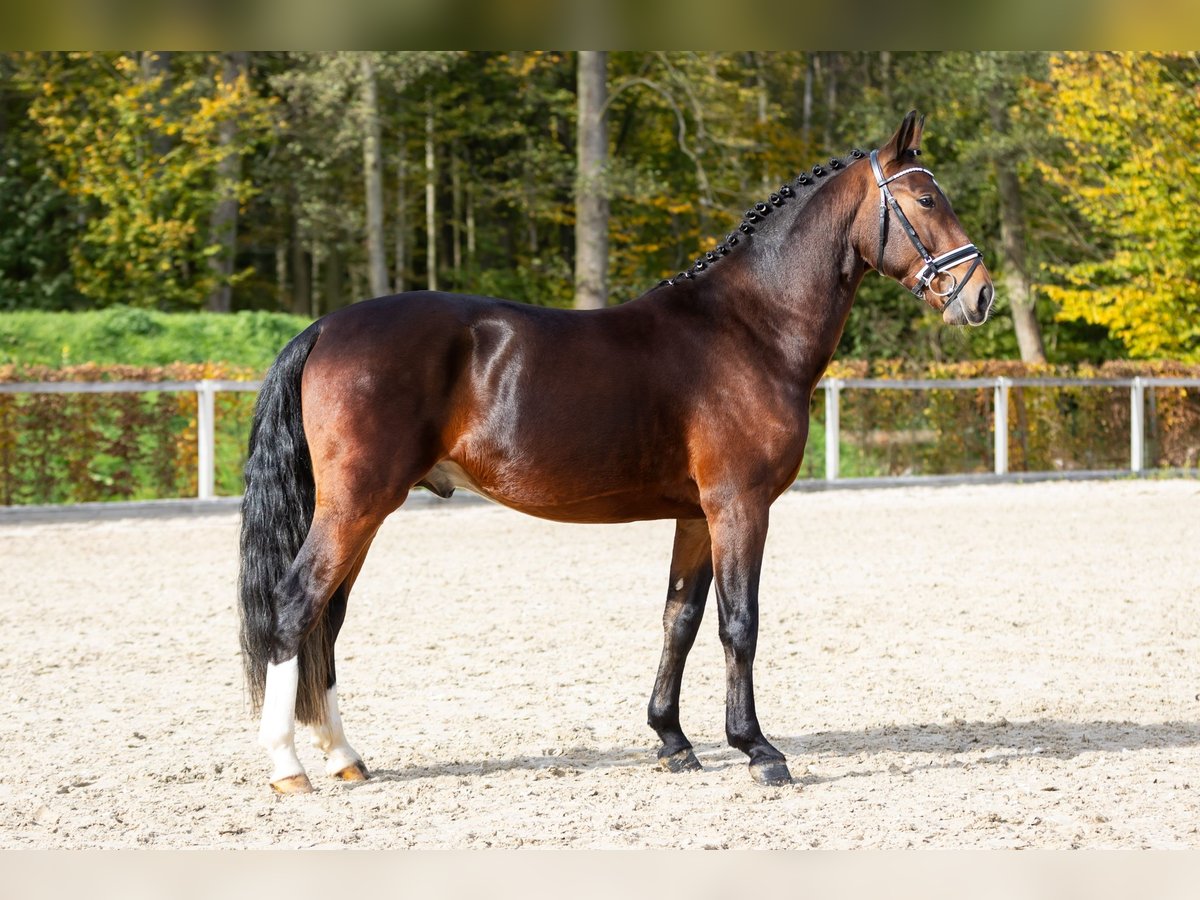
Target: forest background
[{"x": 301, "y": 182}]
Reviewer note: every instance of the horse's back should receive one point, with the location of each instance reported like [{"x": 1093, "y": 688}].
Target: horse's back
[{"x": 440, "y": 339}]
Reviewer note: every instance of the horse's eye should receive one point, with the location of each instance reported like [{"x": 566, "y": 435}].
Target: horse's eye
[{"x": 926, "y": 201}]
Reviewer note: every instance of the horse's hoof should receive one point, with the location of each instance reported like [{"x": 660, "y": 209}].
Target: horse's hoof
[
  {"x": 771, "y": 772},
  {"x": 356, "y": 771},
  {"x": 293, "y": 784},
  {"x": 680, "y": 761}
]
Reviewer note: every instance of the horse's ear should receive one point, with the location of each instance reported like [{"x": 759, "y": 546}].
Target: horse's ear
[{"x": 907, "y": 137}]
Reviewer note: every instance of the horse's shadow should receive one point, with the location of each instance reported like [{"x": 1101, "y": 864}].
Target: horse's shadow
[{"x": 1001, "y": 743}]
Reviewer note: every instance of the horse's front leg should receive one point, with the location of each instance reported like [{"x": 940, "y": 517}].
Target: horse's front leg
[
  {"x": 739, "y": 530},
  {"x": 691, "y": 577}
]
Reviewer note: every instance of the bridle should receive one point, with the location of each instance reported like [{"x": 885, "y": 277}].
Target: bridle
[{"x": 934, "y": 265}]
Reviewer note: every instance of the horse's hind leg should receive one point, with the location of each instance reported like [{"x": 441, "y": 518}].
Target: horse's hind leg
[
  {"x": 341, "y": 760},
  {"x": 332, "y": 548},
  {"x": 691, "y": 577}
]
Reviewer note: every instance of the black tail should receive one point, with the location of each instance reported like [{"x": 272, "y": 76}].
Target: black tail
[{"x": 277, "y": 511}]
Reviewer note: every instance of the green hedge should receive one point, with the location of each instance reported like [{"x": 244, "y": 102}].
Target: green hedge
[
  {"x": 71, "y": 448},
  {"x": 127, "y": 336}
]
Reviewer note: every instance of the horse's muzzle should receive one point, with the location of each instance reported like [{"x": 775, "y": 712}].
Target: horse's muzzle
[{"x": 975, "y": 311}]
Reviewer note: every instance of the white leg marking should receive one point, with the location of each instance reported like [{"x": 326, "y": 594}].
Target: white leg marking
[
  {"x": 277, "y": 732},
  {"x": 329, "y": 738}
]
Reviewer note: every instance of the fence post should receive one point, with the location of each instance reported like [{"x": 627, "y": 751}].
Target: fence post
[
  {"x": 1000, "y": 424},
  {"x": 833, "y": 388},
  {"x": 1137, "y": 424},
  {"x": 206, "y": 440}
]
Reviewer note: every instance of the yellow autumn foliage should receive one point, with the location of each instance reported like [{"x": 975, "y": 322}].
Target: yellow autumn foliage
[
  {"x": 1131, "y": 125},
  {"x": 143, "y": 152}
]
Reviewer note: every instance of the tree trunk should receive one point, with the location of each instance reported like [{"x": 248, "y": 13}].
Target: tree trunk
[
  {"x": 761, "y": 96},
  {"x": 281, "y": 275},
  {"x": 1015, "y": 278},
  {"x": 357, "y": 281},
  {"x": 377, "y": 270},
  {"x": 317, "y": 258},
  {"x": 591, "y": 196},
  {"x": 401, "y": 277},
  {"x": 806, "y": 115},
  {"x": 302, "y": 299},
  {"x": 564, "y": 196},
  {"x": 331, "y": 289},
  {"x": 530, "y": 174},
  {"x": 470, "y": 228},
  {"x": 223, "y": 224},
  {"x": 831, "y": 89},
  {"x": 430, "y": 198},
  {"x": 456, "y": 206},
  {"x": 154, "y": 63}
]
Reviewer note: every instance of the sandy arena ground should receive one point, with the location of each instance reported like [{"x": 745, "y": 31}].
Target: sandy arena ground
[{"x": 983, "y": 666}]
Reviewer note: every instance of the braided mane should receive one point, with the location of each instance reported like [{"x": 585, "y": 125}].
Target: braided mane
[{"x": 797, "y": 191}]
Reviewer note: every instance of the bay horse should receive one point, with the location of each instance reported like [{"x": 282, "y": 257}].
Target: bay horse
[{"x": 689, "y": 403}]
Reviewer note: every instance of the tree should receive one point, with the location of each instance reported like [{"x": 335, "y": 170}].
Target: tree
[
  {"x": 591, "y": 192},
  {"x": 372, "y": 142},
  {"x": 234, "y": 68},
  {"x": 141, "y": 152},
  {"x": 335, "y": 161},
  {"x": 1001, "y": 81},
  {"x": 140, "y": 179},
  {"x": 41, "y": 220},
  {"x": 511, "y": 124},
  {"x": 431, "y": 237},
  {"x": 401, "y": 229},
  {"x": 1132, "y": 125}
]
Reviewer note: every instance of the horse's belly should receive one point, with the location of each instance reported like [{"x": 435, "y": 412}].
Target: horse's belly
[{"x": 569, "y": 500}]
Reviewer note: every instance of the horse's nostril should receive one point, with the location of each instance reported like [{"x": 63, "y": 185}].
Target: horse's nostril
[{"x": 986, "y": 294}]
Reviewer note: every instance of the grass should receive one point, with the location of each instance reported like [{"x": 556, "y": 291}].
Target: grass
[{"x": 128, "y": 336}]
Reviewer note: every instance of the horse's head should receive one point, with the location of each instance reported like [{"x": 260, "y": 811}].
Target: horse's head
[{"x": 911, "y": 233}]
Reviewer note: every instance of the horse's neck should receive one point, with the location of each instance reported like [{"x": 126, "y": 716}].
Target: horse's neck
[{"x": 795, "y": 286}]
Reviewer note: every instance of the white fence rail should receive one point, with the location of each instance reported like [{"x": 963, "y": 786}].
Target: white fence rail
[
  {"x": 207, "y": 390},
  {"x": 1000, "y": 389}
]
